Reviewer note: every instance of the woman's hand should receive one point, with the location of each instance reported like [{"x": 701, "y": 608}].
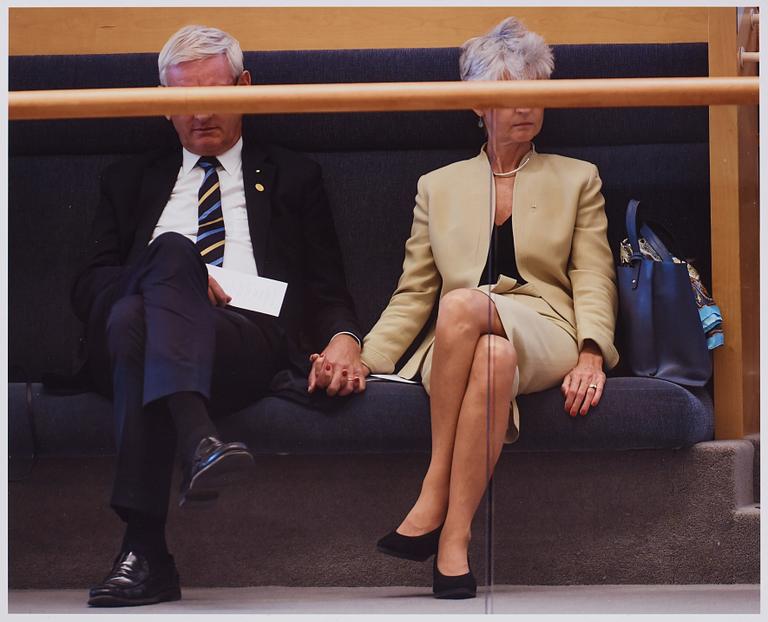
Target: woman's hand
[
  {"x": 583, "y": 385},
  {"x": 338, "y": 369}
]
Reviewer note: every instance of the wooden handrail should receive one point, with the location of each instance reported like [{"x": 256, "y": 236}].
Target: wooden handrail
[{"x": 389, "y": 96}]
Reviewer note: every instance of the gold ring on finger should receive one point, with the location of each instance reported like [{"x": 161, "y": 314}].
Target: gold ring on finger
[{"x": 593, "y": 386}]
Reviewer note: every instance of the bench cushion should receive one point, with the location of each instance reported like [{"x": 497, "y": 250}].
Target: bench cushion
[{"x": 634, "y": 413}]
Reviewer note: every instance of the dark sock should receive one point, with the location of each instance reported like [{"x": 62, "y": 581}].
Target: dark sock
[
  {"x": 144, "y": 534},
  {"x": 190, "y": 417}
]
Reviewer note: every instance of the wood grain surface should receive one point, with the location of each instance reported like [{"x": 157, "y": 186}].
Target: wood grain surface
[
  {"x": 735, "y": 248},
  {"x": 114, "y": 30}
]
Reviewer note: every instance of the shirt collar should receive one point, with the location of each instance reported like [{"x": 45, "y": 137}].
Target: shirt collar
[{"x": 229, "y": 160}]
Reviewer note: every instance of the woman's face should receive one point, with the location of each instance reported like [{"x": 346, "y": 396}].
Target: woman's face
[{"x": 508, "y": 126}]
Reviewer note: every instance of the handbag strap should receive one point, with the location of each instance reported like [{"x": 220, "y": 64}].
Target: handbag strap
[{"x": 631, "y": 224}]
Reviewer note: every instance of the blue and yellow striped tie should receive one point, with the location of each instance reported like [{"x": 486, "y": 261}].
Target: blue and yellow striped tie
[{"x": 210, "y": 220}]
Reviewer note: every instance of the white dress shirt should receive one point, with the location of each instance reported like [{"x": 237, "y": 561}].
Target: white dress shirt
[{"x": 180, "y": 213}]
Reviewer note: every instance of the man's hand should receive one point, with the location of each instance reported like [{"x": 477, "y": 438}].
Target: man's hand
[
  {"x": 583, "y": 385},
  {"x": 217, "y": 296},
  {"x": 338, "y": 369}
]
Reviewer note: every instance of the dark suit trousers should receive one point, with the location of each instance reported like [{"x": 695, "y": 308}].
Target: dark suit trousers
[{"x": 153, "y": 332}]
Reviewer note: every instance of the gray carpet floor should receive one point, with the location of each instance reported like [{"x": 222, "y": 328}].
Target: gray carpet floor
[{"x": 600, "y": 599}]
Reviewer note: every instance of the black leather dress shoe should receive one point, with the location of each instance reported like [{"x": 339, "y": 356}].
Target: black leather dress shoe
[
  {"x": 416, "y": 548},
  {"x": 213, "y": 465},
  {"x": 456, "y": 587},
  {"x": 134, "y": 581}
]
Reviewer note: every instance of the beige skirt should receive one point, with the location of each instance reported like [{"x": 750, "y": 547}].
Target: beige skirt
[{"x": 545, "y": 352}]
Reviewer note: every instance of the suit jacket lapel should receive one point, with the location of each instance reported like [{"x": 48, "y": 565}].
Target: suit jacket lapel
[
  {"x": 524, "y": 213},
  {"x": 258, "y": 179},
  {"x": 475, "y": 197},
  {"x": 156, "y": 187}
]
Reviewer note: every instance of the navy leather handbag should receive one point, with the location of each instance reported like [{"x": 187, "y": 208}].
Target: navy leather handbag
[{"x": 662, "y": 332}]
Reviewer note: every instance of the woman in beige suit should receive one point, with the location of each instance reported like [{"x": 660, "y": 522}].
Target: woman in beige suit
[{"x": 541, "y": 314}]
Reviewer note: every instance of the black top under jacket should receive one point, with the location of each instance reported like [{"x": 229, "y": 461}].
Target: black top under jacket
[{"x": 501, "y": 256}]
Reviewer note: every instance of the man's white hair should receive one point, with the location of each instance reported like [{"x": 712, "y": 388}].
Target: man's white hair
[
  {"x": 197, "y": 43},
  {"x": 509, "y": 51}
]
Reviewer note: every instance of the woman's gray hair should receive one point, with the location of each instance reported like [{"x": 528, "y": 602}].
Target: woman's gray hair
[
  {"x": 508, "y": 51},
  {"x": 197, "y": 43}
]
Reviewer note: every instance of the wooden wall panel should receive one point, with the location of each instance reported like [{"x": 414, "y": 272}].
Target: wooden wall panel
[
  {"x": 115, "y": 30},
  {"x": 735, "y": 244},
  {"x": 749, "y": 238}
]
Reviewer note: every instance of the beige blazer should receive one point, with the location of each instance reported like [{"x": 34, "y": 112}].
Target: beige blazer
[{"x": 561, "y": 248}]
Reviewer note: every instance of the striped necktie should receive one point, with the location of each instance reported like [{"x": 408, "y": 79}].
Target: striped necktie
[{"x": 210, "y": 219}]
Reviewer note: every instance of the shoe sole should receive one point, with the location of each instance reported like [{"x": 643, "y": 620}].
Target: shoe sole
[
  {"x": 114, "y": 601},
  {"x": 231, "y": 468},
  {"x": 457, "y": 594},
  {"x": 400, "y": 555}
]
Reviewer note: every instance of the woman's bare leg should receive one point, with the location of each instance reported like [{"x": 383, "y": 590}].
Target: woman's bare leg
[
  {"x": 493, "y": 372},
  {"x": 463, "y": 318}
]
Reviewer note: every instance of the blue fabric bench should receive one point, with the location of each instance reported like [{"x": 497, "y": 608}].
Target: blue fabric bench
[{"x": 371, "y": 162}]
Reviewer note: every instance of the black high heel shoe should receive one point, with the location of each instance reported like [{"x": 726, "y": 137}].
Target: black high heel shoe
[
  {"x": 458, "y": 587},
  {"x": 416, "y": 548}
]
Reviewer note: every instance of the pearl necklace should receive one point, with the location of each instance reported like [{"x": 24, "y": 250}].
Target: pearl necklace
[{"x": 514, "y": 171}]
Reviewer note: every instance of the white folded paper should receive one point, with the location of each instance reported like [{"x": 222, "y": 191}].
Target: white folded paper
[
  {"x": 391, "y": 378},
  {"x": 250, "y": 292}
]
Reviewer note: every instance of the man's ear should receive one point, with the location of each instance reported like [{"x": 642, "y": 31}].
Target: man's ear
[
  {"x": 244, "y": 79},
  {"x": 162, "y": 86}
]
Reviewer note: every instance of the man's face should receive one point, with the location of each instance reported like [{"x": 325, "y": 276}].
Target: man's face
[{"x": 209, "y": 133}]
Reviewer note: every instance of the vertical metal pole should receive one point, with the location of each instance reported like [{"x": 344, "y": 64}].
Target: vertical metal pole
[{"x": 489, "y": 557}]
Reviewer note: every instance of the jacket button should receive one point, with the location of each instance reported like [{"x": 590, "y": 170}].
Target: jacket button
[{"x": 259, "y": 187}]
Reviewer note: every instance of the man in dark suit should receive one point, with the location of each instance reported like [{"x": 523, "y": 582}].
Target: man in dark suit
[{"x": 161, "y": 340}]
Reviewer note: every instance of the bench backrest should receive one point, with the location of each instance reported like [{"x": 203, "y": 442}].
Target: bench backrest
[{"x": 371, "y": 162}]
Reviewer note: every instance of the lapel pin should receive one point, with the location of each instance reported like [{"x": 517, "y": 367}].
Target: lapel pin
[
  {"x": 258, "y": 170},
  {"x": 259, "y": 187}
]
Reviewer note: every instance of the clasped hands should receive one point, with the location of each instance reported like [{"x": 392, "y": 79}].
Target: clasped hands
[{"x": 338, "y": 369}]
